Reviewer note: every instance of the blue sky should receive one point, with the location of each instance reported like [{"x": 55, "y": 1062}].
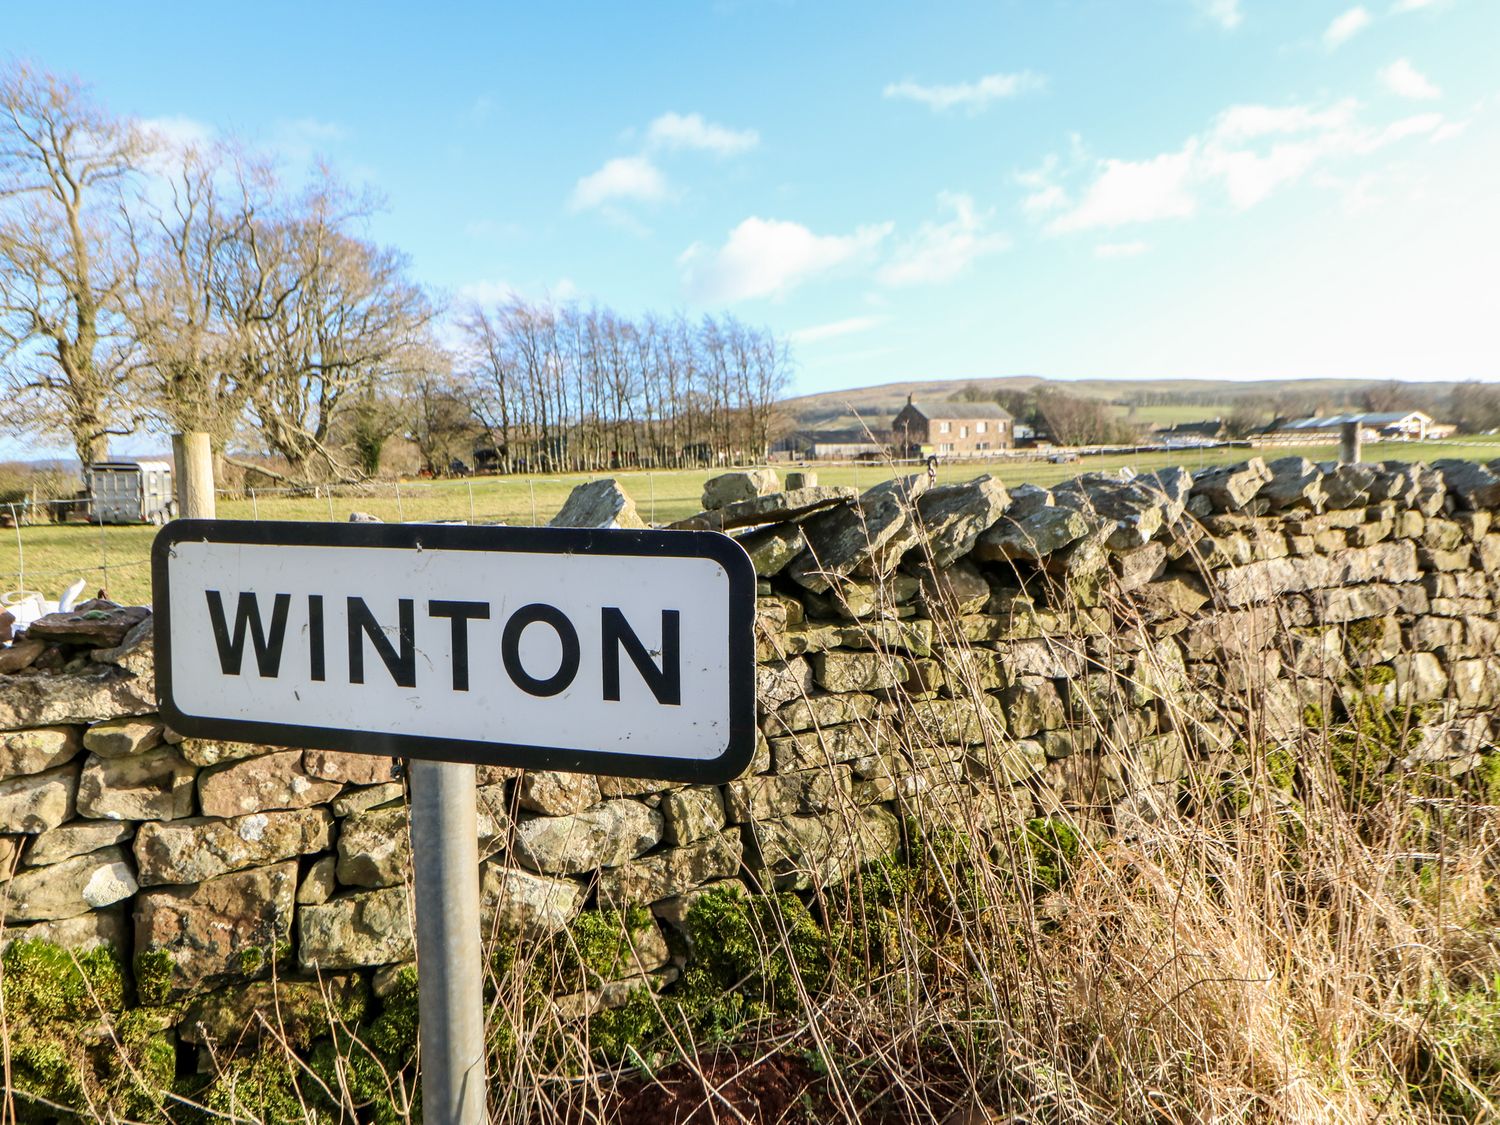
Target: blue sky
[{"x": 1196, "y": 188}]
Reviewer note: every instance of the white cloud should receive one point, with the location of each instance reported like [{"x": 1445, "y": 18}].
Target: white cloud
[
  {"x": 1405, "y": 80},
  {"x": 1247, "y": 154},
  {"x": 941, "y": 251},
  {"x": 1120, "y": 249},
  {"x": 835, "y": 328},
  {"x": 178, "y": 132},
  {"x": 624, "y": 177},
  {"x": 1225, "y": 13},
  {"x": 1344, "y": 27},
  {"x": 971, "y": 95},
  {"x": 1136, "y": 191},
  {"x": 1247, "y": 122},
  {"x": 1413, "y": 5},
  {"x": 676, "y": 130},
  {"x": 769, "y": 258}
]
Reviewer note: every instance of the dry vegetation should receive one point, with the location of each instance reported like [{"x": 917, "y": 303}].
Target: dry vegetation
[{"x": 1305, "y": 931}]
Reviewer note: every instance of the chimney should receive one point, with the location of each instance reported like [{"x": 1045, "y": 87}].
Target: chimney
[{"x": 908, "y": 400}]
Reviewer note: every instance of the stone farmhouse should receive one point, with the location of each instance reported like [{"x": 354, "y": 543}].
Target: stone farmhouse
[{"x": 951, "y": 428}]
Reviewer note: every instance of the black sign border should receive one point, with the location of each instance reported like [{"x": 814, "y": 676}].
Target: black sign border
[{"x": 449, "y": 537}]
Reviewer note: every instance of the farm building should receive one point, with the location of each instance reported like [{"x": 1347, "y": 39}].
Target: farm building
[
  {"x": 951, "y": 428},
  {"x": 1410, "y": 425},
  {"x": 832, "y": 445}
]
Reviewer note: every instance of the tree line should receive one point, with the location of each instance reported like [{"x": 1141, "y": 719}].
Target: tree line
[{"x": 153, "y": 286}]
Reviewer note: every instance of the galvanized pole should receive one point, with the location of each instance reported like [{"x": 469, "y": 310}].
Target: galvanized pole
[
  {"x": 450, "y": 978},
  {"x": 1349, "y": 441}
]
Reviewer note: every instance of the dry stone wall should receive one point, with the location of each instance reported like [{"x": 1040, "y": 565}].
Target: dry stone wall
[{"x": 957, "y": 655}]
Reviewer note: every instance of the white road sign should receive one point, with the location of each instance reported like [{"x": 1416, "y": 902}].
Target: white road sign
[{"x": 617, "y": 652}]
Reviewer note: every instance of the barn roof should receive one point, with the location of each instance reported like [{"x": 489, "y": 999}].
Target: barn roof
[{"x": 960, "y": 410}]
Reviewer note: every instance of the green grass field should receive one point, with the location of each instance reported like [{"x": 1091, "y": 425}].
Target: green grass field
[{"x": 50, "y": 557}]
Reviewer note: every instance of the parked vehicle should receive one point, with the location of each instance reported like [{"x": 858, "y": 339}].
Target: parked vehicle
[{"x": 130, "y": 492}]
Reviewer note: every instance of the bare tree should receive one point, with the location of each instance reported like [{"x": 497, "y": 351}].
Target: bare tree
[
  {"x": 351, "y": 324},
  {"x": 206, "y": 278},
  {"x": 66, "y": 166}
]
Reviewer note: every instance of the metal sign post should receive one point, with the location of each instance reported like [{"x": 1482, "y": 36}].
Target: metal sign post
[
  {"x": 617, "y": 652},
  {"x": 450, "y": 973}
]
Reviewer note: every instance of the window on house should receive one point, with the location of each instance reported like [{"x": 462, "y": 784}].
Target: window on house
[
  {"x": 963, "y": 431},
  {"x": 943, "y": 427},
  {"x": 979, "y": 427}
]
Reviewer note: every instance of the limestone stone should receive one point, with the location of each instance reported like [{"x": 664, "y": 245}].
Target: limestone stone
[
  {"x": 1393, "y": 561},
  {"x": 273, "y": 781},
  {"x": 1473, "y": 484},
  {"x": 782, "y": 682},
  {"x": 354, "y": 800},
  {"x": 954, "y": 515},
  {"x": 872, "y": 535},
  {"x": 599, "y": 503},
  {"x": 93, "y": 930},
  {"x": 235, "y": 925},
  {"x": 778, "y": 507},
  {"x": 818, "y": 711},
  {"x": 1139, "y": 566},
  {"x": 79, "y": 837},
  {"x": 802, "y": 478},
  {"x": 1031, "y": 705},
  {"x": 320, "y": 882},
  {"x": 1295, "y": 483},
  {"x": 210, "y": 752},
  {"x": 1134, "y": 510},
  {"x": 1034, "y": 536},
  {"x": 831, "y": 744},
  {"x": 672, "y": 871},
  {"x": 156, "y": 785},
  {"x": 913, "y": 636},
  {"x": 776, "y": 795},
  {"x": 746, "y": 484},
  {"x": 606, "y": 835},
  {"x": 555, "y": 793},
  {"x": 1027, "y": 499},
  {"x": 35, "y": 803},
  {"x": 1228, "y": 488},
  {"x": 88, "y": 694},
  {"x": 349, "y": 767},
  {"x": 115, "y": 738},
  {"x": 954, "y": 722},
  {"x": 20, "y": 655},
  {"x": 32, "y": 751},
  {"x": 1420, "y": 678},
  {"x": 1351, "y": 486},
  {"x": 134, "y": 654},
  {"x": 772, "y": 548},
  {"x": 94, "y": 623},
  {"x": 954, "y": 590},
  {"x": 804, "y": 852},
  {"x": 356, "y": 930},
  {"x": 374, "y": 848},
  {"x": 199, "y": 848},
  {"x": 295, "y": 1010},
  {"x": 71, "y": 887},
  {"x": 516, "y": 901},
  {"x": 689, "y": 815},
  {"x": 858, "y": 671}
]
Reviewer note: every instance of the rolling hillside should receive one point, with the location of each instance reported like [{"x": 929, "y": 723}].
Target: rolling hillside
[{"x": 1156, "y": 400}]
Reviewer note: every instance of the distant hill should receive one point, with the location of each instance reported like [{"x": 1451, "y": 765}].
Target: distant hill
[{"x": 1163, "y": 400}]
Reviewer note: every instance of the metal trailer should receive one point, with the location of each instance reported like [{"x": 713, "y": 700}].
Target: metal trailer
[{"x": 130, "y": 492}]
